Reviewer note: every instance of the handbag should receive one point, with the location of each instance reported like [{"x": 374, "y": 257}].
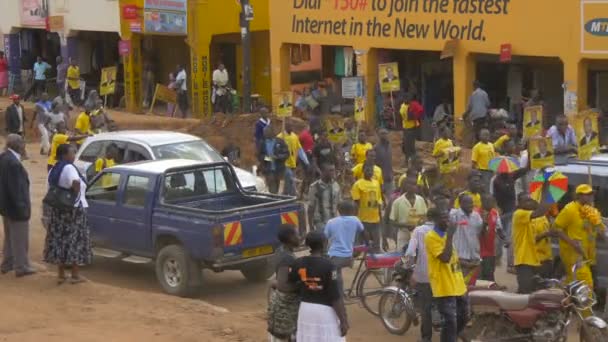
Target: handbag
[{"x": 60, "y": 198}]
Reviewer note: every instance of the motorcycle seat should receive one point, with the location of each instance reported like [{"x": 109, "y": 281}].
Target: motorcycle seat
[
  {"x": 504, "y": 300},
  {"x": 386, "y": 260}
]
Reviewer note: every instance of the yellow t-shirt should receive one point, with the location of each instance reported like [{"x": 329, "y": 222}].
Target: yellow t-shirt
[
  {"x": 482, "y": 153},
  {"x": 107, "y": 180},
  {"x": 407, "y": 123},
  {"x": 293, "y": 145},
  {"x": 569, "y": 220},
  {"x": 524, "y": 239},
  {"x": 501, "y": 141},
  {"x": 369, "y": 195},
  {"x": 58, "y": 139},
  {"x": 440, "y": 145},
  {"x": 359, "y": 152},
  {"x": 541, "y": 225},
  {"x": 446, "y": 278},
  {"x": 358, "y": 173},
  {"x": 73, "y": 72},
  {"x": 83, "y": 124},
  {"x": 476, "y": 199}
]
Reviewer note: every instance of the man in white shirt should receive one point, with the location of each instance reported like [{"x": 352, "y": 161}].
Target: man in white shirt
[
  {"x": 220, "y": 87},
  {"x": 182, "y": 90},
  {"x": 416, "y": 253},
  {"x": 407, "y": 212}
]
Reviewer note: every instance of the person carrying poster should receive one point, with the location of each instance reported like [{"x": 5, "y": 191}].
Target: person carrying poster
[
  {"x": 541, "y": 150},
  {"x": 533, "y": 121},
  {"x": 389, "y": 77},
  {"x": 587, "y": 128}
]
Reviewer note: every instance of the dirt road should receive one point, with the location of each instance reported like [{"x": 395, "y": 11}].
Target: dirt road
[{"x": 122, "y": 302}]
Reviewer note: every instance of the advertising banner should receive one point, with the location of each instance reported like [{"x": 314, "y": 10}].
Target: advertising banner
[
  {"x": 34, "y": 13},
  {"x": 594, "y": 26},
  {"x": 166, "y": 16}
]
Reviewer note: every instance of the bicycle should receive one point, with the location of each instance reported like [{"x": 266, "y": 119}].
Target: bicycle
[{"x": 367, "y": 285}]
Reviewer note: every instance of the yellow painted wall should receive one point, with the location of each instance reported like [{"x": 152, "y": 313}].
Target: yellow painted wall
[
  {"x": 534, "y": 28},
  {"x": 208, "y": 18}
]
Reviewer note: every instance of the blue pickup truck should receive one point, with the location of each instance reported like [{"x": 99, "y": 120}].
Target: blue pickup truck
[{"x": 185, "y": 216}]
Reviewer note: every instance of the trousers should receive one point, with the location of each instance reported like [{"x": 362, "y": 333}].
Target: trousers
[
  {"x": 340, "y": 263},
  {"x": 45, "y": 143},
  {"x": 289, "y": 187},
  {"x": 16, "y": 246},
  {"x": 424, "y": 302},
  {"x": 454, "y": 313}
]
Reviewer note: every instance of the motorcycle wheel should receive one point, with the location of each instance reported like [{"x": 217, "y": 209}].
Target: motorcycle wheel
[
  {"x": 593, "y": 334},
  {"x": 487, "y": 328},
  {"x": 396, "y": 312}
]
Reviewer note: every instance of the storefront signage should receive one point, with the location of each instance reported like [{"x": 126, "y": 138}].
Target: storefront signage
[
  {"x": 124, "y": 47},
  {"x": 135, "y": 26},
  {"x": 352, "y": 87},
  {"x": 409, "y": 19},
  {"x": 594, "y": 26},
  {"x": 55, "y": 23},
  {"x": 34, "y": 13},
  {"x": 130, "y": 12},
  {"x": 505, "y": 53},
  {"x": 166, "y": 16}
]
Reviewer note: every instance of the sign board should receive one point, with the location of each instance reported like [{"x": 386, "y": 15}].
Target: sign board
[
  {"x": 166, "y": 17},
  {"x": 505, "y": 53},
  {"x": 388, "y": 76},
  {"x": 124, "y": 47},
  {"x": 541, "y": 153},
  {"x": 55, "y": 23},
  {"x": 165, "y": 94},
  {"x": 586, "y": 128},
  {"x": 34, "y": 13},
  {"x": 594, "y": 26},
  {"x": 135, "y": 26},
  {"x": 130, "y": 12},
  {"x": 107, "y": 84},
  {"x": 352, "y": 87},
  {"x": 285, "y": 107},
  {"x": 449, "y": 49}
]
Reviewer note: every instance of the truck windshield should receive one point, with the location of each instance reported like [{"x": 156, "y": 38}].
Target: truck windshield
[
  {"x": 191, "y": 150},
  {"x": 181, "y": 186}
]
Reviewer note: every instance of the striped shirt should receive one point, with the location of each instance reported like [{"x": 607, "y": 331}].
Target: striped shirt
[
  {"x": 466, "y": 237},
  {"x": 417, "y": 249}
]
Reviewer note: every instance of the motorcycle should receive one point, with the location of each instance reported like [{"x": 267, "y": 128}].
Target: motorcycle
[
  {"x": 543, "y": 316},
  {"x": 396, "y": 305}
]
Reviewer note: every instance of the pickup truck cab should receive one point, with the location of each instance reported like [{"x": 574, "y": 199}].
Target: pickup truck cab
[{"x": 185, "y": 216}]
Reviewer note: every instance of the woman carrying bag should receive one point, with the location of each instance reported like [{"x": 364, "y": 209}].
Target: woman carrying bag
[{"x": 67, "y": 243}]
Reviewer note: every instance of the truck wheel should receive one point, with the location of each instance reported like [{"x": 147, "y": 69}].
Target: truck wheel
[
  {"x": 258, "y": 271},
  {"x": 177, "y": 273}
]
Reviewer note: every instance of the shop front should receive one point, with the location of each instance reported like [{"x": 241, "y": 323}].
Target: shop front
[{"x": 440, "y": 47}]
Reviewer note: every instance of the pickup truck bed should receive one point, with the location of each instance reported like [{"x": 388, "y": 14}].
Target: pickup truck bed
[{"x": 230, "y": 202}]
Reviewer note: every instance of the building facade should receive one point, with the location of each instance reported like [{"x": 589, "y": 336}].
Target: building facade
[
  {"x": 84, "y": 30},
  {"x": 441, "y": 46},
  {"x": 211, "y": 34}
]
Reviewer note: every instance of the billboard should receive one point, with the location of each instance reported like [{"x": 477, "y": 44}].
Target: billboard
[
  {"x": 34, "y": 13},
  {"x": 166, "y": 16},
  {"x": 594, "y": 26}
]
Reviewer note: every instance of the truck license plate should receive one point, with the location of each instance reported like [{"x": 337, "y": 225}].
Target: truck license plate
[{"x": 253, "y": 252}]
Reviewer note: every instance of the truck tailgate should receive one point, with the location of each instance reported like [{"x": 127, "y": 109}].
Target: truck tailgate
[{"x": 253, "y": 233}]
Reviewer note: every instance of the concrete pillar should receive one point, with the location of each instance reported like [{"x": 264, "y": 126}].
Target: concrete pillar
[
  {"x": 13, "y": 56},
  {"x": 200, "y": 84},
  {"x": 575, "y": 80},
  {"x": 280, "y": 74},
  {"x": 133, "y": 75},
  {"x": 464, "y": 75},
  {"x": 367, "y": 67},
  {"x": 69, "y": 48}
]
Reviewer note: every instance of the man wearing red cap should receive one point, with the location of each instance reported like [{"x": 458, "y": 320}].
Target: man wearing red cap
[{"x": 15, "y": 117}]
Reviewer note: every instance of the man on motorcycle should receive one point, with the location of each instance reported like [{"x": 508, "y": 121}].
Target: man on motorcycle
[
  {"x": 445, "y": 277},
  {"x": 416, "y": 252}
]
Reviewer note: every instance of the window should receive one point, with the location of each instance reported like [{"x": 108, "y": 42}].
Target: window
[
  {"x": 136, "y": 153},
  {"x": 192, "y": 150},
  {"x": 197, "y": 183},
  {"x": 105, "y": 188},
  {"x": 92, "y": 151},
  {"x": 135, "y": 193}
]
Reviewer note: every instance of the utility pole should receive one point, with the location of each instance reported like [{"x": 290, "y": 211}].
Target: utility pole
[{"x": 245, "y": 17}]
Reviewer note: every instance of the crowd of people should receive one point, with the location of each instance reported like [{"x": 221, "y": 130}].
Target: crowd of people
[{"x": 453, "y": 236}]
